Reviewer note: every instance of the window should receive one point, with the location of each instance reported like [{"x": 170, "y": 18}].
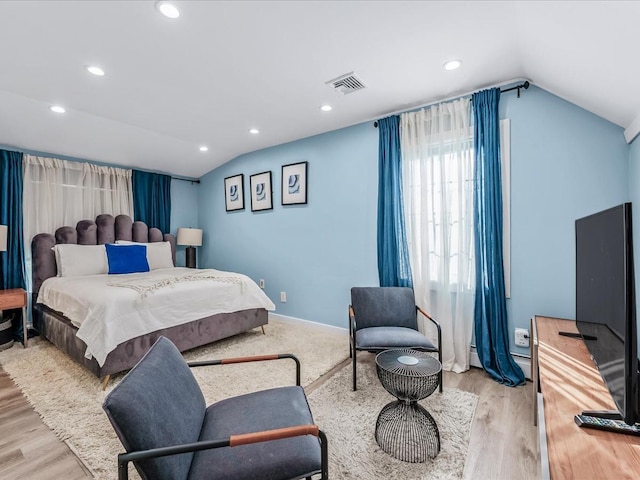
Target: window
[
  {"x": 60, "y": 192},
  {"x": 449, "y": 177}
]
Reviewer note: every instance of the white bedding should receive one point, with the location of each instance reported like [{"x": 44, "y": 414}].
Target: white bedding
[{"x": 111, "y": 309}]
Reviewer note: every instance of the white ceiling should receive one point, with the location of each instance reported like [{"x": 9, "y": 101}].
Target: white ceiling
[{"x": 225, "y": 67}]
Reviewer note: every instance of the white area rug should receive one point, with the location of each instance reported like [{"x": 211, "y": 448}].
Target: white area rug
[
  {"x": 69, "y": 399},
  {"x": 348, "y": 418}
]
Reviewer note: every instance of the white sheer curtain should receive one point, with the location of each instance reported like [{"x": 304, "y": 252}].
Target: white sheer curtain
[
  {"x": 437, "y": 169},
  {"x": 60, "y": 192}
]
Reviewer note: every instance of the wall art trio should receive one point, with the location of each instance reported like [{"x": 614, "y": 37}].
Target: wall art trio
[{"x": 293, "y": 188}]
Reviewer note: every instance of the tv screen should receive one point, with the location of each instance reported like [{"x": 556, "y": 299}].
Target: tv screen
[{"x": 605, "y": 302}]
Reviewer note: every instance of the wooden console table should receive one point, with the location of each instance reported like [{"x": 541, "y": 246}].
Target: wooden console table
[{"x": 569, "y": 383}]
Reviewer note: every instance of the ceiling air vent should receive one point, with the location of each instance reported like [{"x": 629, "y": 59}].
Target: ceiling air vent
[{"x": 345, "y": 84}]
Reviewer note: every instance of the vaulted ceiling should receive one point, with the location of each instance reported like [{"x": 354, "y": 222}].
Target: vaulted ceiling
[{"x": 224, "y": 67}]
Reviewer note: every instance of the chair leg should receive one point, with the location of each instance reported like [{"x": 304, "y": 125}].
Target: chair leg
[
  {"x": 440, "y": 360},
  {"x": 353, "y": 362},
  {"x": 324, "y": 455}
]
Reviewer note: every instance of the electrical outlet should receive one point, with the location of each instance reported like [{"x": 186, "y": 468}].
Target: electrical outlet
[
  {"x": 283, "y": 297},
  {"x": 261, "y": 283},
  {"x": 522, "y": 337}
]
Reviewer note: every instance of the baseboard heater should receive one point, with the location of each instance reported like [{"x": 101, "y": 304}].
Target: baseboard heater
[{"x": 522, "y": 360}]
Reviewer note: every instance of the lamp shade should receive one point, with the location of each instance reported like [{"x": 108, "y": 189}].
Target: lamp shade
[
  {"x": 3, "y": 238},
  {"x": 190, "y": 236}
]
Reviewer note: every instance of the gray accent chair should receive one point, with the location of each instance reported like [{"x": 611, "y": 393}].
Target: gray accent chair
[
  {"x": 159, "y": 414},
  {"x": 383, "y": 318}
]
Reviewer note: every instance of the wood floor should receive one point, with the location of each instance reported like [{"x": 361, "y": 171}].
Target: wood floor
[
  {"x": 28, "y": 448},
  {"x": 503, "y": 443}
]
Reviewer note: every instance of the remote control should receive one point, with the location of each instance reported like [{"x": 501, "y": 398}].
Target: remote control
[{"x": 617, "y": 426}]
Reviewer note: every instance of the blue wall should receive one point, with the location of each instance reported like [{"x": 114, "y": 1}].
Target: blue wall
[
  {"x": 565, "y": 163},
  {"x": 314, "y": 252},
  {"x": 184, "y": 211}
]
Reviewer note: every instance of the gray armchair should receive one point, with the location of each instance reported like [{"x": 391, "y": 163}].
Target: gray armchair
[
  {"x": 383, "y": 318},
  {"x": 159, "y": 413}
]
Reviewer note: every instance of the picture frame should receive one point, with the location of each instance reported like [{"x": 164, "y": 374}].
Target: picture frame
[
  {"x": 294, "y": 183},
  {"x": 234, "y": 192},
  {"x": 261, "y": 191}
]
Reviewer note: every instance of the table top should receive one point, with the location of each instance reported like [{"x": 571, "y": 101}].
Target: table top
[
  {"x": 570, "y": 383},
  {"x": 12, "y": 291},
  {"x": 13, "y": 298},
  {"x": 409, "y": 363}
]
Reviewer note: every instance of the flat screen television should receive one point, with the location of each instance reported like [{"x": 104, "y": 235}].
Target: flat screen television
[{"x": 605, "y": 304}]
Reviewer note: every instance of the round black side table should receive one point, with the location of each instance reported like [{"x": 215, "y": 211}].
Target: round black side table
[{"x": 405, "y": 429}]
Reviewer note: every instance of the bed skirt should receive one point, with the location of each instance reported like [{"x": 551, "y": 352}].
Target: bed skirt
[{"x": 59, "y": 330}]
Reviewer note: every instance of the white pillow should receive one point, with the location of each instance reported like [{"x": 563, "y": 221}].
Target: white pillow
[
  {"x": 78, "y": 260},
  {"x": 158, "y": 253}
]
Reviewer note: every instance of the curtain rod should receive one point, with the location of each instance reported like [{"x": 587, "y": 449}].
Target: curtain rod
[
  {"x": 186, "y": 180},
  {"x": 524, "y": 85}
]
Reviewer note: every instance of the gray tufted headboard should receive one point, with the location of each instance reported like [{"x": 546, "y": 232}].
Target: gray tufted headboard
[{"x": 106, "y": 229}]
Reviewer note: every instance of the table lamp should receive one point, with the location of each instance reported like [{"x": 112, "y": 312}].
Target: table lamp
[
  {"x": 193, "y": 238},
  {"x": 3, "y": 238}
]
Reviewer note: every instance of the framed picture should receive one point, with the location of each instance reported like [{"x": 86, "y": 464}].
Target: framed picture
[
  {"x": 261, "y": 193},
  {"x": 294, "y": 183},
  {"x": 234, "y": 192}
]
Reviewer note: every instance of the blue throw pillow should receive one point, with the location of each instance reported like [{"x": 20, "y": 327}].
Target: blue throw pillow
[{"x": 127, "y": 258}]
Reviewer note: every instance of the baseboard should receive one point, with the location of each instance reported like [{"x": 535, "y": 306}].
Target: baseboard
[
  {"x": 524, "y": 362},
  {"x": 286, "y": 319},
  {"x": 474, "y": 361}
]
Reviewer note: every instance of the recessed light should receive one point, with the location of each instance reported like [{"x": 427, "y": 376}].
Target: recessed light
[
  {"x": 168, "y": 9},
  {"x": 452, "y": 64},
  {"x": 255, "y": 131},
  {"x": 204, "y": 148},
  {"x": 97, "y": 71},
  {"x": 57, "y": 109},
  {"x": 326, "y": 108}
]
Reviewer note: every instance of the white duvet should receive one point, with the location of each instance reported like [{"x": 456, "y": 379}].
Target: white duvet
[{"x": 111, "y": 309}]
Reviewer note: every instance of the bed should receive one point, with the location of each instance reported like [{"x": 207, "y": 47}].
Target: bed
[{"x": 116, "y": 345}]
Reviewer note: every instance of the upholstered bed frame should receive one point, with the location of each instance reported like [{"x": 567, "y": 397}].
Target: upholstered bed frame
[{"x": 59, "y": 330}]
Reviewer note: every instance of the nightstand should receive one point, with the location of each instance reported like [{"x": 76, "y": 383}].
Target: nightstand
[{"x": 16, "y": 298}]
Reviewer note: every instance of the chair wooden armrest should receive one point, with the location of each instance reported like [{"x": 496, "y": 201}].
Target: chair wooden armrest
[
  {"x": 232, "y": 441},
  {"x": 257, "y": 358},
  {"x": 352, "y": 319},
  {"x": 439, "y": 340},
  {"x": 435, "y": 323},
  {"x": 428, "y": 316},
  {"x": 352, "y": 331}
]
